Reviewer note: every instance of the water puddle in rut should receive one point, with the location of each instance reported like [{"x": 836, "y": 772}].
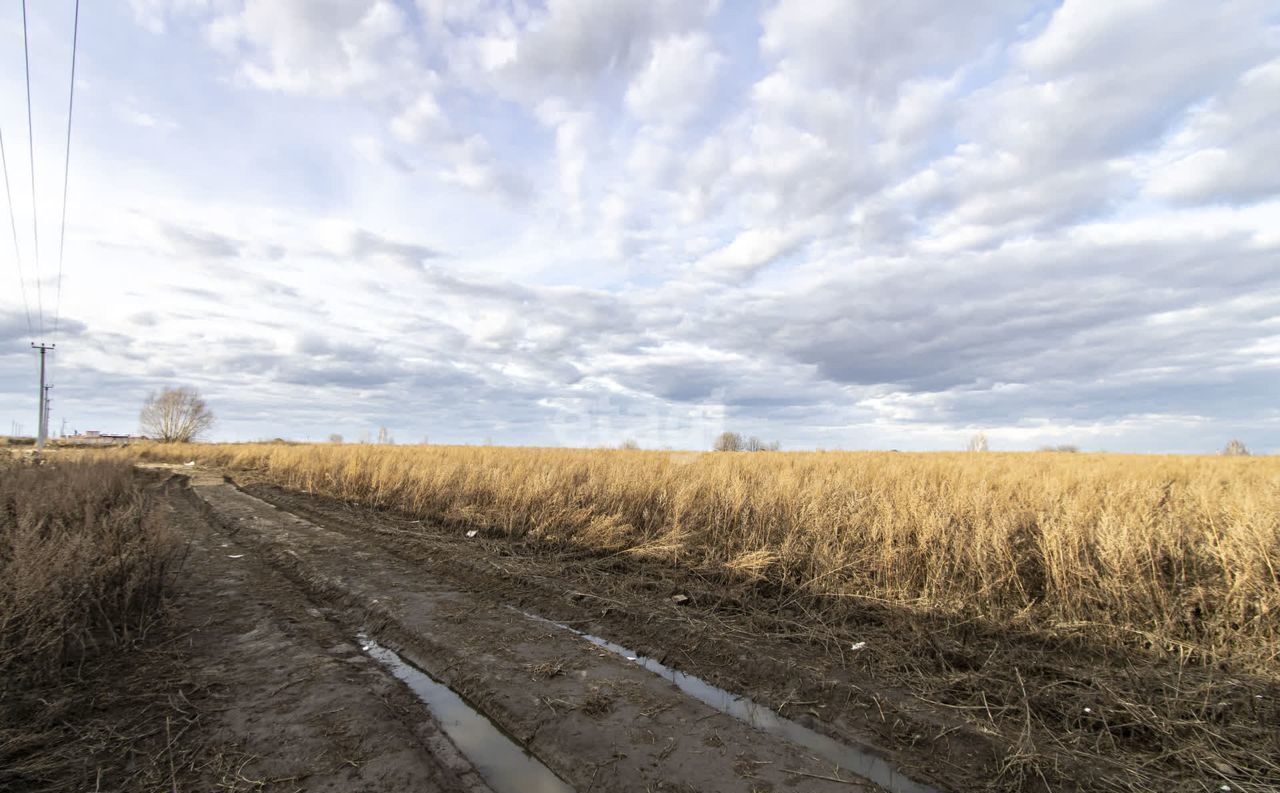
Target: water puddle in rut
[
  {"x": 850, "y": 758},
  {"x": 506, "y": 766}
]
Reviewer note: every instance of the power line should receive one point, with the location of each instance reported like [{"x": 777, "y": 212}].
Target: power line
[
  {"x": 66, "y": 167},
  {"x": 31, "y": 150},
  {"x": 13, "y": 226}
]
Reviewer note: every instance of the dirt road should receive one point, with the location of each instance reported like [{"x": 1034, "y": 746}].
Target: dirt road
[
  {"x": 290, "y": 702},
  {"x": 309, "y": 629}
]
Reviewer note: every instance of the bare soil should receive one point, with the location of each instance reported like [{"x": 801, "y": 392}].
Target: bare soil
[
  {"x": 288, "y": 701},
  {"x": 598, "y": 721}
]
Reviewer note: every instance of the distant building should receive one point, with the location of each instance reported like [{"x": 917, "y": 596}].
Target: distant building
[{"x": 96, "y": 438}]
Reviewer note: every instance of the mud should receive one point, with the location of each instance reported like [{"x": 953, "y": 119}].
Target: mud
[
  {"x": 810, "y": 678},
  {"x": 598, "y": 721},
  {"x": 288, "y": 701},
  {"x": 841, "y": 755}
]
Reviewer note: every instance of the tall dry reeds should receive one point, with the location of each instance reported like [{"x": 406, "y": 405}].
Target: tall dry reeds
[
  {"x": 82, "y": 566},
  {"x": 1179, "y": 553}
]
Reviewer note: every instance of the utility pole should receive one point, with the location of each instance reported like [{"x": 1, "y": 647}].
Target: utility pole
[
  {"x": 48, "y": 409},
  {"x": 44, "y": 395}
]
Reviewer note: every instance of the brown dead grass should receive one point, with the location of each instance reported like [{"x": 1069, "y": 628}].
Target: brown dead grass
[
  {"x": 83, "y": 569},
  {"x": 1179, "y": 555}
]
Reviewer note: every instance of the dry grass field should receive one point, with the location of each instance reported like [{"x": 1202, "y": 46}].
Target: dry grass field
[
  {"x": 84, "y": 567},
  {"x": 1174, "y": 556}
]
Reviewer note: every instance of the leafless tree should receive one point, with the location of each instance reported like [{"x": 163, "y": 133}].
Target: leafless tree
[
  {"x": 1236, "y": 448},
  {"x": 175, "y": 415},
  {"x": 629, "y": 443},
  {"x": 335, "y": 438},
  {"x": 978, "y": 443},
  {"x": 384, "y": 436},
  {"x": 728, "y": 442}
]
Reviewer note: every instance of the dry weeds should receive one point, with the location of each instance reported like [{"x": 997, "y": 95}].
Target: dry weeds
[
  {"x": 83, "y": 570},
  {"x": 1176, "y": 555}
]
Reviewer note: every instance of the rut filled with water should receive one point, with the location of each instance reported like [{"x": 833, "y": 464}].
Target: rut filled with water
[{"x": 503, "y": 763}]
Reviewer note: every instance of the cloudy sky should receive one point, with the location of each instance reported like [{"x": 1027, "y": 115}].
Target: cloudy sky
[{"x": 833, "y": 223}]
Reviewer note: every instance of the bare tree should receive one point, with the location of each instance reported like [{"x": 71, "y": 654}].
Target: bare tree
[
  {"x": 335, "y": 438},
  {"x": 629, "y": 443},
  {"x": 978, "y": 443},
  {"x": 728, "y": 442},
  {"x": 1236, "y": 448},
  {"x": 175, "y": 415},
  {"x": 384, "y": 436}
]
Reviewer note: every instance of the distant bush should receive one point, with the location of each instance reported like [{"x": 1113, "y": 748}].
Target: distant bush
[
  {"x": 1068, "y": 448},
  {"x": 1236, "y": 448},
  {"x": 735, "y": 442},
  {"x": 728, "y": 442}
]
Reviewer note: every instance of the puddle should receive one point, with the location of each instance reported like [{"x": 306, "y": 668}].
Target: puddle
[
  {"x": 501, "y": 761},
  {"x": 849, "y": 758}
]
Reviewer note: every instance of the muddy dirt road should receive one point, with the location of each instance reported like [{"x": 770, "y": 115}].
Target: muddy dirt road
[{"x": 346, "y": 661}]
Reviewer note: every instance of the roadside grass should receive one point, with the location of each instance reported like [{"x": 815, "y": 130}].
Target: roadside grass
[
  {"x": 84, "y": 566},
  {"x": 1179, "y": 556}
]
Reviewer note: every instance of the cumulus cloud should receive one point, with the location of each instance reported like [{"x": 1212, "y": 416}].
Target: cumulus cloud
[
  {"x": 673, "y": 86},
  {"x": 304, "y": 46}
]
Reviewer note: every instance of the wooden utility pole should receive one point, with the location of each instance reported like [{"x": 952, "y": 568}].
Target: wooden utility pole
[{"x": 43, "y": 426}]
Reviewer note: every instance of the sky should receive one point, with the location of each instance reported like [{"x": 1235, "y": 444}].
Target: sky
[{"x": 833, "y": 224}]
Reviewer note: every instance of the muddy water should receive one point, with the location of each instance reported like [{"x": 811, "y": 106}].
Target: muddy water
[
  {"x": 505, "y": 766},
  {"x": 850, "y": 758}
]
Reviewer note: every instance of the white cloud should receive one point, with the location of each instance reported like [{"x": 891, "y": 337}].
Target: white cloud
[
  {"x": 575, "y": 44},
  {"x": 875, "y": 46},
  {"x": 154, "y": 15},
  {"x": 324, "y": 47},
  {"x": 673, "y": 86},
  {"x": 1229, "y": 149},
  {"x": 750, "y": 251},
  {"x": 423, "y": 118}
]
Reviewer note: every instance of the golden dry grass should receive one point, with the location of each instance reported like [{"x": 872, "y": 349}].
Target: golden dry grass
[{"x": 1176, "y": 554}]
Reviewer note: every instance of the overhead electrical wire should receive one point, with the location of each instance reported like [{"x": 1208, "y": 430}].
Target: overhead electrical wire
[
  {"x": 13, "y": 227},
  {"x": 31, "y": 151},
  {"x": 66, "y": 166}
]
